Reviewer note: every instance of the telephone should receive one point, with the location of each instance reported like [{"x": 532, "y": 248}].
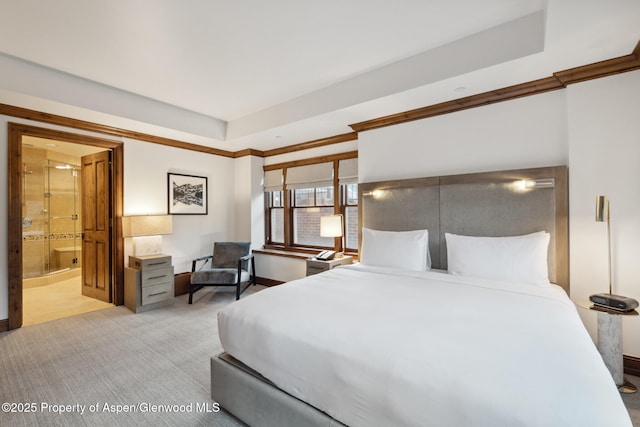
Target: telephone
[{"x": 326, "y": 255}]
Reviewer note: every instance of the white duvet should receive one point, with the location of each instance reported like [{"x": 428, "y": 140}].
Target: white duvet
[{"x": 373, "y": 347}]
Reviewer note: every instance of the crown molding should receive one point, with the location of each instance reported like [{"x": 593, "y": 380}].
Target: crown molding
[
  {"x": 312, "y": 160},
  {"x": 39, "y": 116},
  {"x": 558, "y": 80},
  {"x": 336, "y": 139}
]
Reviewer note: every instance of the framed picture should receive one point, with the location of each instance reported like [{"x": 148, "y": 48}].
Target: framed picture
[{"x": 187, "y": 194}]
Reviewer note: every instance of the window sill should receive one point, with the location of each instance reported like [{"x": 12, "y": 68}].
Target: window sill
[
  {"x": 288, "y": 253},
  {"x": 282, "y": 253}
]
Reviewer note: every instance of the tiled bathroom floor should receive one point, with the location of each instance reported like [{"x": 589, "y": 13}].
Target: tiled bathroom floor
[{"x": 57, "y": 300}]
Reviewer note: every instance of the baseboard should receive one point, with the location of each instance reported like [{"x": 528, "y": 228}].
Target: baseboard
[
  {"x": 4, "y": 325},
  {"x": 631, "y": 365},
  {"x": 268, "y": 282}
]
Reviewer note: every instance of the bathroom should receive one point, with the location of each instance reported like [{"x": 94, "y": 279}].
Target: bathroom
[{"x": 52, "y": 231}]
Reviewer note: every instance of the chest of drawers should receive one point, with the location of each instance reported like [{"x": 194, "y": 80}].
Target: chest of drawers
[{"x": 148, "y": 282}]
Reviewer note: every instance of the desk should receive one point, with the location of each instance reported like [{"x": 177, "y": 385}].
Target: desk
[{"x": 610, "y": 342}]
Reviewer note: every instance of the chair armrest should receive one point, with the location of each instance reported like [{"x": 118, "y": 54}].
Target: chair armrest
[
  {"x": 195, "y": 261},
  {"x": 244, "y": 259}
]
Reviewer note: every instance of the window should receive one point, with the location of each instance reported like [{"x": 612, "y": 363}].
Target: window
[
  {"x": 309, "y": 204},
  {"x": 294, "y": 206},
  {"x": 275, "y": 214},
  {"x": 350, "y": 203}
]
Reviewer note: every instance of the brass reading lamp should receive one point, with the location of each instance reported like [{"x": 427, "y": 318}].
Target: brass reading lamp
[
  {"x": 602, "y": 215},
  {"x": 611, "y": 308},
  {"x": 610, "y": 301}
]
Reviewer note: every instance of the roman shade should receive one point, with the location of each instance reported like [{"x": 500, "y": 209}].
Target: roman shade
[
  {"x": 310, "y": 176},
  {"x": 273, "y": 180},
  {"x": 348, "y": 171}
]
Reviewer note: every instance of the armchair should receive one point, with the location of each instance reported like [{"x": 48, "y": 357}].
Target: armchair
[{"x": 231, "y": 264}]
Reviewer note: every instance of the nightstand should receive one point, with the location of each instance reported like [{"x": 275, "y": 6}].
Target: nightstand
[
  {"x": 148, "y": 282},
  {"x": 315, "y": 266},
  {"x": 610, "y": 342}
]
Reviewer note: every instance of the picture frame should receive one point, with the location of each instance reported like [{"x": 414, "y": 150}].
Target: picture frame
[{"x": 187, "y": 194}]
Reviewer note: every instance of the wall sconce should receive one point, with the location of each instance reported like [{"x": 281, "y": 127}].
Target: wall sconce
[
  {"x": 375, "y": 193},
  {"x": 146, "y": 232},
  {"x": 530, "y": 184},
  {"x": 331, "y": 226}
]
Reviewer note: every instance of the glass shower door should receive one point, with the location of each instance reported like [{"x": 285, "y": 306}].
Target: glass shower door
[{"x": 62, "y": 217}]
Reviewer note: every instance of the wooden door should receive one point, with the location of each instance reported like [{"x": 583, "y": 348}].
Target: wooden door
[{"x": 96, "y": 226}]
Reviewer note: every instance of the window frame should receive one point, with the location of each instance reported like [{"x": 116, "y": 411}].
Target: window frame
[
  {"x": 339, "y": 206},
  {"x": 343, "y": 210}
]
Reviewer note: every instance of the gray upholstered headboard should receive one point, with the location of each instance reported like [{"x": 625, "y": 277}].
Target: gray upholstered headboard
[{"x": 479, "y": 204}]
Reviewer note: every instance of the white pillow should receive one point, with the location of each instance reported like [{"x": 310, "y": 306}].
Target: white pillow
[
  {"x": 408, "y": 250},
  {"x": 521, "y": 259}
]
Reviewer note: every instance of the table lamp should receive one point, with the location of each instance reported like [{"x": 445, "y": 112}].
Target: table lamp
[
  {"x": 147, "y": 231},
  {"x": 331, "y": 226}
]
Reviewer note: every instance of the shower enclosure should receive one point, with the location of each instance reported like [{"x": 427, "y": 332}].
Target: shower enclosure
[{"x": 51, "y": 222}]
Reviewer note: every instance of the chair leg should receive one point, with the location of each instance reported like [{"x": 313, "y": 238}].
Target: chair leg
[
  {"x": 238, "y": 290},
  {"x": 190, "y": 294}
]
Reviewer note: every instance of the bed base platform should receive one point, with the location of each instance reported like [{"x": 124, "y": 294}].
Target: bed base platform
[{"x": 256, "y": 401}]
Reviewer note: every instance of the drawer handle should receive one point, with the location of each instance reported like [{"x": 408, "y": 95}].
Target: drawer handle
[
  {"x": 157, "y": 277},
  {"x": 157, "y": 263},
  {"x": 157, "y": 293}
]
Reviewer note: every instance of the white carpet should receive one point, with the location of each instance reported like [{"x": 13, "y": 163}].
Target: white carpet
[
  {"x": 111, "y": 361},
  {"x": 113, "y": 367}
]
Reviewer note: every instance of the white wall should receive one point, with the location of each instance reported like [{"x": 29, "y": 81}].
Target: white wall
[
  {"x": 527, "y": 132},
  {"x": 592, "y": 127},
  {"x": 145, "y": 192},
  {"x": 249, "y": 196},
  {"x": 280, "y": 268},
  {"x": 604, "y": 153}
]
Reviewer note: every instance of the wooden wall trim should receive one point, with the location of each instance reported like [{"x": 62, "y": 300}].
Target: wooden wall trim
[
  {"x": 597, "y": 70},
  {"x": 312, "y": 160},
  {"x": 268, "y": 282},
  {"x": 558, "y": 80},
  {"x": 631, "y": 365},
  {"x": 38, "y": 116},
  {"x": 336, "y": 139},
  {"x": 248, "y": 152},
  {"x": 14, "y": 232},
  {"x": 14, "y": 196},
  {"x": 4, "y": 325}
]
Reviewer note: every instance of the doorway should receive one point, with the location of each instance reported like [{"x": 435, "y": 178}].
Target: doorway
[
  {"x": 52, "y": 230},
  {"x": 45, "y": 222}
]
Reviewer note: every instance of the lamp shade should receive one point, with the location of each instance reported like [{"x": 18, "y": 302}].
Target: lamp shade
[
  {"x": 146, "y": 225},
  {"x": 331, "y": 226}
]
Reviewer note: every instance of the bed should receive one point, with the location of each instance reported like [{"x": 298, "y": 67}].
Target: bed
[{"x": 427, "y": 337}]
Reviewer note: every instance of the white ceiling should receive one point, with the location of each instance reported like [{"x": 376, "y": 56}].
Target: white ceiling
[{"x": 261, "y": 74}]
